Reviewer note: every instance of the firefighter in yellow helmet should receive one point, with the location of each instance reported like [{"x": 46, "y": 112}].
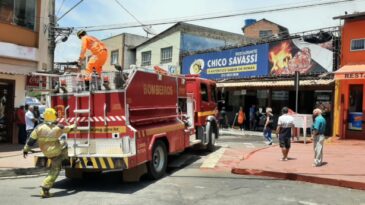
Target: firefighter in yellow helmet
[{"x": 47, "y": 135}]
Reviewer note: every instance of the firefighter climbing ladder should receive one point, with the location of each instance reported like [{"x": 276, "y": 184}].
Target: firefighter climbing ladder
[{"x": 79, "y": 111}]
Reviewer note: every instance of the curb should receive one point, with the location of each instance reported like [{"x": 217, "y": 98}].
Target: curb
[
  {"x": 237, "y": 133},
  {"x": 21, "y": 172},
  {"x": 299, "y": 177}
]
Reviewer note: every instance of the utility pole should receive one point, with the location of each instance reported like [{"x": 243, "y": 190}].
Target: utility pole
[
  {"x": 51, "y": 33},
  {"x": 296, "y": 84}
]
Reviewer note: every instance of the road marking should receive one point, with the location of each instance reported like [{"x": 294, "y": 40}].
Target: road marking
[
  {"x": 249, "y": 145},
  {"x": 213, "y": 159}
]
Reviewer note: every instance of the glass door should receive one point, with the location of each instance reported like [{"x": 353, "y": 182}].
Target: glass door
[{"x": 355, "y": 114}]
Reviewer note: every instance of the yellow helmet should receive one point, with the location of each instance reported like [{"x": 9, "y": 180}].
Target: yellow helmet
[
  {"x": 50, "y": 115},
  {"x": 81, "y": 33}
]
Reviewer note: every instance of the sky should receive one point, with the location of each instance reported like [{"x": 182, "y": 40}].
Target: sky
[{"x": 107, "y": 12}]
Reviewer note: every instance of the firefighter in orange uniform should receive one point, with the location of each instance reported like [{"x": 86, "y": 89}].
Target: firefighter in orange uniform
[{"x": 98, "y": 50}]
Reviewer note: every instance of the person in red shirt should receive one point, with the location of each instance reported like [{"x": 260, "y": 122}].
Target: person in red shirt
[
  {"x": 98, "y": 50},
  {"x": 241, "y": 118},
  {"x": 20, "y": 121}
]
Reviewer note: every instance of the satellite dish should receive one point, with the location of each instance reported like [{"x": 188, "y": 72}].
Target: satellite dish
[{"x": 149, "y": 30}]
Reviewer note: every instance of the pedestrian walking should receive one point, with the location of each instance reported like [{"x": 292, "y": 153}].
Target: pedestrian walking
[
  {"x": 223, "y": 121},
  {"x": 319, "y": 127},
  {"x": 30, "y": 121},
  {"x": 37, "y": 115},
  {"x": 268, "y": 126},
  {"x": 252, "y": 115},
  {"x": 20, "y": 121},
  {"x": 285, "y": 131},
  {"x": 241, "y": 119},
  {"x": 47, "y": 135}
]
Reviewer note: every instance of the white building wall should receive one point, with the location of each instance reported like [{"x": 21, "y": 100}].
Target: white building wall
[{"x": 155, "y": 47}]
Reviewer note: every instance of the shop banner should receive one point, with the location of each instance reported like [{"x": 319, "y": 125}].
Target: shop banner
[
  {"x": 241, "y": 62},
  {"x": 36, "y": 82},
  {"x": 286, "y": 57}
]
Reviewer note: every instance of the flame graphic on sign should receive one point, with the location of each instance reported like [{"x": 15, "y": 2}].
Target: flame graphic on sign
[{"x": 280, "y": 56}]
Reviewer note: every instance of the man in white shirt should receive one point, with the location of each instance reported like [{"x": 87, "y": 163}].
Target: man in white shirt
[
  {"x": 285, "y": 131},
  {"x": 29, "y": 121}
]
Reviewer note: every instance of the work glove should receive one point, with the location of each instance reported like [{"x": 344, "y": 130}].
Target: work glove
[
  {"x": 25, "y": 154},
  {"x": 61, "y": 126},
  {"x": 25, "y": 151},
  {"x": 80, "y": 62}
]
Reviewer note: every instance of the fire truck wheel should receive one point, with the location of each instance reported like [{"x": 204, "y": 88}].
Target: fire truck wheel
[
  {"x": 73, "y": 173},
  {"x": 157, "y": 165},
  {"x": 211, "y": 135}
]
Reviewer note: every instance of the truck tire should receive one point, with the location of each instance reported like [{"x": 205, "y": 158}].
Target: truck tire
[
  {"x": 73, "y": 173},
  {"x": 211, "y": 135},
  {"x": 157, "y": 166}
]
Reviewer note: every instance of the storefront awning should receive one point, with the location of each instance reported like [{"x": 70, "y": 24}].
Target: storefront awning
[
  {"x": 282, "y": 83},
  {"x": 350, "y": 72}
]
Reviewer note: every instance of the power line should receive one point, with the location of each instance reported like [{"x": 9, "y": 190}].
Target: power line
[
  {"x": 59, "y": 9},
  {"x": 126, "y": 10},
  {"x": 210, "y": 16},
  {"x": 70, "y": 10}
]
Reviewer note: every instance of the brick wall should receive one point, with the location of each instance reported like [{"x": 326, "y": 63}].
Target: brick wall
[{"x": 253, "y": 31}]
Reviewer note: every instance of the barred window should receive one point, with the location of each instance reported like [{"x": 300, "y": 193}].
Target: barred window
[
  {"x": 166, "y": 55},
  {"x": 357, "y": 44},
  {"x": 146, "y": 58},
  {"x": 114, "y": 57}
]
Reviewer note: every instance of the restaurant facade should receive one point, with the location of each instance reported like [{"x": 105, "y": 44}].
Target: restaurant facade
[{"x": 264, "y": 75}]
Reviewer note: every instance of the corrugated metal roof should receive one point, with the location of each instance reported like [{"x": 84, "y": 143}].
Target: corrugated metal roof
[
  {"x": 281, "y": 83},
  {"x": 16, "y": 70}
]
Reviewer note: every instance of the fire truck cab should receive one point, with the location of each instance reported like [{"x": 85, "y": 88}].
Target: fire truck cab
[{"x": 126, "y": 123}]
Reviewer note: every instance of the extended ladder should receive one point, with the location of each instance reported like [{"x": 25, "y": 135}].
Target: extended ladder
[{"x": 82, "y": 111}]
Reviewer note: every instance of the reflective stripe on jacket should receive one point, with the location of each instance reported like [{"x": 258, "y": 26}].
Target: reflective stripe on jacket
[{"x": 47, "y": 137}]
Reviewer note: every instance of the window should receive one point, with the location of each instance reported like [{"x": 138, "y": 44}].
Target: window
[
  {"x": 357, "y": 44},
  {"x": 18, "y": 12},
  {"x": 214, "y": 93},
  {"x": 114, "y": 57},
  {"x": 265, "y": 33},
  {"x": 204, "y": 92},
  {"x": 146, "y": 58},
  {"x": 166, "y": 55}
]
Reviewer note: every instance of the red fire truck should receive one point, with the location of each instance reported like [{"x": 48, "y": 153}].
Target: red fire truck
[{"x": 125, "y": 123}]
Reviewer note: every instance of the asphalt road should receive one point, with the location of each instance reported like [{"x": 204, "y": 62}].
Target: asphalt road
[{"x": 189, "y": 184}]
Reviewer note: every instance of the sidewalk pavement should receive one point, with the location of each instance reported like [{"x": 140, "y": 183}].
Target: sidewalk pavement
[
  {"x": 13, "y": 164},
  {"x": 344, "y": 163},
  {"x": 233, "y": 131}
]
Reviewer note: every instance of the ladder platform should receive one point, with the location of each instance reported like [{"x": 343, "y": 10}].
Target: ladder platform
[
  {"x": 83, "y": 128},
  {"x": 80, "y": 111},
  {"x": 82, "y": 94},
  {"x": 82, "y": 145}
]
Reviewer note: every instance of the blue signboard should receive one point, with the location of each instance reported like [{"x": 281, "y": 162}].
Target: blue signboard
[{"x": 241, "y": 62}]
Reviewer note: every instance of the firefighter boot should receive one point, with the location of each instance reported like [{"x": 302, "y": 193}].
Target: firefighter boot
[
  {"x": 66, "y": 163},
  {"x": 87, "y": 85},
  {"x": 45, "y": 192}
]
